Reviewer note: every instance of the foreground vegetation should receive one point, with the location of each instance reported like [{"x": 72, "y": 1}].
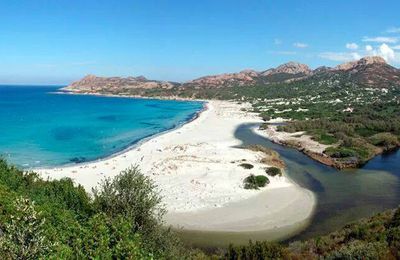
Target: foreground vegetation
[
  {"x": 375, "y": 238},
  {"x": 55, "y": 220}
]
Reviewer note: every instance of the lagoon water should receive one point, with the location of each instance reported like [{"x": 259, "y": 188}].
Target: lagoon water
[{"x": 41, "y": 129}]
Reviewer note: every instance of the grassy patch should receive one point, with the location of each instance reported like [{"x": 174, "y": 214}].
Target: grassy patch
[
  {"x": 340, "y": 152},
  {"x": 323, "y": 137}
]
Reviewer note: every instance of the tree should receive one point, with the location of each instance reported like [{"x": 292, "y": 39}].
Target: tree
[{"x": 133, "y": 196}]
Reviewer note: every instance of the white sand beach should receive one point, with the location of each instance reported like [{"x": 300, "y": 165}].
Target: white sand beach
[{"x": 196, "y": 168}]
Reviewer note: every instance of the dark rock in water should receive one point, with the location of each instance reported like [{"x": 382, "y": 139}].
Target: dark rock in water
[
  {"x": 109, "y": 118},
  {"x": 78, "y": 159},
  {"x": 65, "y": 133}
]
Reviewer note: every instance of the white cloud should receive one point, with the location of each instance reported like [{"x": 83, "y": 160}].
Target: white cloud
[
  {"x": 384, "y": 51},
  {"x": 393, "y": 30},
  {"x": 387, "y": 53},
  {"x": 352, "y": 46},
  {"x": 300, "y": 45},
  {"x": 397, "y": 47},
  {"x": 340, "y": 56},
  {"x": 380, "y": 39}
]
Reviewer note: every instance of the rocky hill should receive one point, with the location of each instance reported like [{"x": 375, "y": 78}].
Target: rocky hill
[
  {"x": 368, "y": 72},
  {"x": 95, "y": 84},
  {"x": 371, "y": 71},
  {"x": 285, "y": 72}
]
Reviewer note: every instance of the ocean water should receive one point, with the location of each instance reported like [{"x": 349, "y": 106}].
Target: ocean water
[{"x": 40, "y": 129}]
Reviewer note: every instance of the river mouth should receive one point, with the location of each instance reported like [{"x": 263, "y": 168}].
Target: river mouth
[{"x": 342, "y": 196}]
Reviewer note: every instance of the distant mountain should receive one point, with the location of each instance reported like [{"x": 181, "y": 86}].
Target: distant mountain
[
  {"x": 290, "y": 68},
  {"x": 285, "y": 72},
  {"x": 368, "y": 71},
  {"x": 371, "y": 71},
  {"x": 243, "y": 78},
  {"x": 94, "y": 84}
]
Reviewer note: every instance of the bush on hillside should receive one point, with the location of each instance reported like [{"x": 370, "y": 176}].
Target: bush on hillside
[
  {"x": 133, "y": 196},
  {"x": 385, "y": 140},
  {"x": 23, "y": 237}
]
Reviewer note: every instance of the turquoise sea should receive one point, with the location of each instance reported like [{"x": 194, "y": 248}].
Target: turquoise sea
[{"x": 39, "y": 128}]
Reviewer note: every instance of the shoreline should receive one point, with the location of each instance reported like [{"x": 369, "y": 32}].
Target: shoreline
[
  {"x": 176, "y": 98},
  {"x": 198, "y": 176}
]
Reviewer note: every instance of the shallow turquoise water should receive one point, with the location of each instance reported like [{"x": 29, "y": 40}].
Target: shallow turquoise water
[{"x": 39, "y": 128}]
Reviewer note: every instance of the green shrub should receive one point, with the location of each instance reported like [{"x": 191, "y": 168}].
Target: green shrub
[
  {"x": 255, "y": 182},
  {"x": 385, "y": 140},
  {"x": 133, "y": 196},
  {"x": 247, "y": 166},
  {"x": 340, "y": 152},
  {"x": 257, "y": 250},
  {"x": 393, "y": 238},
  {"x": 360, "y": 250},
  {"x": 273, "y": 171},
  {"x": 262, "y": 180},
  {"x": 324, "y": 138},
  {"x": 24, "y": 236}
]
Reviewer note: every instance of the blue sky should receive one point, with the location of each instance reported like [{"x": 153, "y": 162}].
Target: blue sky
[{"x": 56, "y": 42}]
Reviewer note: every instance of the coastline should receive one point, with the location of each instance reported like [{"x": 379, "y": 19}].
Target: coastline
[
  {"x": 199, "y": 176},
  {"x": 177, "y": 98}
]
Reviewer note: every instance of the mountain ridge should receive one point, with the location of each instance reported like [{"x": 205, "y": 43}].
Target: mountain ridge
[{"x": 369, "y": 71}]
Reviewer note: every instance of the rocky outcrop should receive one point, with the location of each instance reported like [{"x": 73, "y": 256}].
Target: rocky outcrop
[
  {"x": 289, "y": 68},
  {"x": 95, "y": 84},
  {"x": 285, "y": 72},
  {"x": 361, "y": 63},
  {"x": 371, "y": 71},
  {"x": 245, "y": 77}
]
